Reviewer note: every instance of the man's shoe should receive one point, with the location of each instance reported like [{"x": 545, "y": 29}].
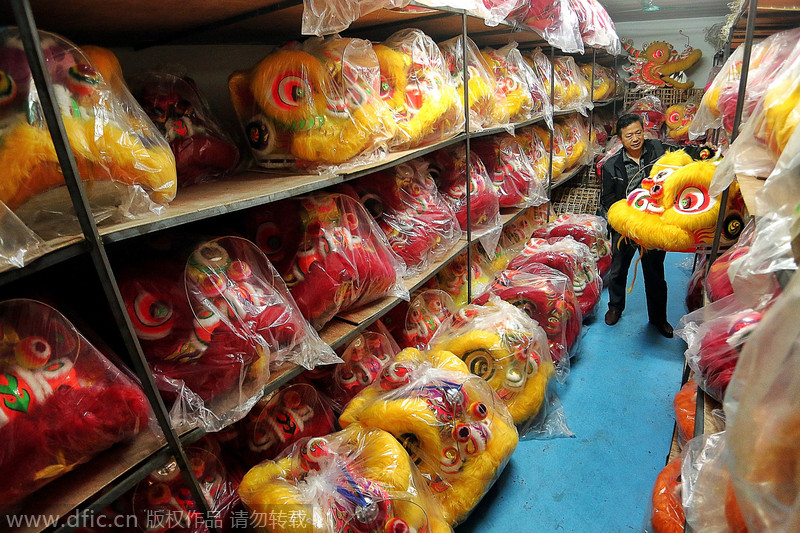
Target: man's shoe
[
  {"x": 612, "y": 316},
  {"x": 664, "y": 328}
]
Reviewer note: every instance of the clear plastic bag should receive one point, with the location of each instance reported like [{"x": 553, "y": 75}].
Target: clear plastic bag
[
  {"x": 513, "y": 100},
  {"x": 448, "y": 169},
  {"x": 685, "y": 407},
  {"x": 330, "y": 252},
  {"x": 211, "y": 322},
  {"x": 202, "y": 149},
  {"x": 417, "y": 86},
  {"x": 483, "y": 92},
  {"x": 591, "y": 230},
  {"x": 603, "y": 81},
  {"x": 715, "y": 334},
  {"x": 127, "y": 166},
  {"x": 364, "y": 359},
  {"x": 511, "y": 171},
  {"x": 596, "y": 27},
  {"x": 419, "y": 224},
  {"x": 427, "y": 312},
  {"x": 452, "y": 422},
  {"x": 536, "y": 151},
  {"x": 559, "y": 152},
  {"x": 557, "y": 22},
  {"x": 781, "y": 192},
  {"x": 453, "y": 278},
  {"x": 63, "y": 401},
  {"x": 507, "y": 348},
  {"x": 575, "y": 133},
  {"x": 577, "y": 95},
  {"x": 679, "y": 119},
  {"x": 18, "y": 244},
  {"x": 695, "y": 288},
  {"x": 603, "y": 124},
  {"x": 545, "y": 294},
  {"x": 761, "y": 406},
  {"x": 162, "y": 502},
  {"x": 313, "y": 104},
  {"x": 357, "y": 479},
  {"x": 325, "y": 17},
  {"x": 516, "y": 233},
  {"x": 496, "y": 11},
  {"x": 653, "y": 114},
  {"x": 572, "y": 258},
  {"x": 666, "y": 511},
  {"x": 718, "y": 281}
]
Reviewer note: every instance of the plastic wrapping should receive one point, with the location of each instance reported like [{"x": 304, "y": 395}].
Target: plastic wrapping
[
  {"x": 603, "y": 81},
  {"x": 511, "y": 171},
  {"x": 603, "y": 124},
  {"x": 516, "y": 233},
  {"x": 542, "y": 67},
  {"x": 685, "y": 407},
  {"x": 211, "y": 322},
  {"x": 483, "y": 92},
  {"x": 18, "y": 244},
  {"x": 596, "y": 27},
  {"x": 556, "y": 21},
  {"x": 718, "y": 106},
  {"x": 674, "y": 210},
  {"x": 63, "y": 401},
  {"x": 519, "y": 93},
  {"x": 496, "y": 11},
  {"x": 162, "y": 503},
  {"x": 761, "y": 407},
  {"x": 453, "y": 278},
  {"x": 202, "y": 149},
  {"x": 575, "y": 133},
  {"x": 718, "y": 281},
  {"x": 653, "y": 115},
  {"x": 536, "y": 151},
  {"x": 428, "y": 311},
  {"x": 419, "y": 224},
  {"x": 453, "y": 424},
  {"x": 331, "y": 253},
  {"x": 545, "y": 294},
  {"x": 313, "y": 104},
  {"x": 695, "y": 289},
  {"x": 448, "y": 169},
  {"x": 591, "y": 230},
  {"x": 508, "y": 349},
  {"x": 128, "y": 168},
  {"x": 715, "y": 334},
  {"x": 666, "y": 509},
  {"x": 364, "y": 359},
  {"x": 559, "y": 151},
  {"x": 359, "y": 480},
  {"x": 572, "y": 258},
  {"x": 416, "y": 84},
  {"x": 679, "y": 119},
  {"x": 324, "y": 17},
  {"x": 577, "y": 94},
  {"x": 781, "y": 192}
]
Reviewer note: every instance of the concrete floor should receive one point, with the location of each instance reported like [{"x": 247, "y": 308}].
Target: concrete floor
[{"x": 618, "y": 403}]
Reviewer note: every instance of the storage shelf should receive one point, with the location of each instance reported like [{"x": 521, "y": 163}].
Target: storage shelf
[
  {"x": 54, "y": 252},
  {"x": 749, "y": 186},
  {"x": 563, "y": 178},
  {"x": 496, "y": 130}
]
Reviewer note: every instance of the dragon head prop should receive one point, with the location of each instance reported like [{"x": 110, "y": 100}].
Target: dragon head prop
[
  {"x": 483, "y": 92},
  {"x": 511, "y": 170},
  {"x": 658, "y": 64},
  {"x": 679, "y": 119},
  {"x": 673, "y": 210},
  {"x": 318, "y": 103},
  {"x": 451, "y": 422}
]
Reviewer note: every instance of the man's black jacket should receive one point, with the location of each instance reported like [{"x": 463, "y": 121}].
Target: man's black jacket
[{"x": 614, "y": 177}]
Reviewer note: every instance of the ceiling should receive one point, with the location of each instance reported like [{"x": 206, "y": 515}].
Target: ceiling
[{"x": 633, "y": 10}]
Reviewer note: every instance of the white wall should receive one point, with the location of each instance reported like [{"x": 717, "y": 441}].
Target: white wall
[{"x": 667, "y": 30}]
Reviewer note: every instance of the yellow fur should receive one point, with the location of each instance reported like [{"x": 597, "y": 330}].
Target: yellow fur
[
  {"x": 559, "y": 156},
  {"x": 782, "y": 112}
]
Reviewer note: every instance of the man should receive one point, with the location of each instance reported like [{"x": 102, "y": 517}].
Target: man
[{"x": 621, "y": 174}]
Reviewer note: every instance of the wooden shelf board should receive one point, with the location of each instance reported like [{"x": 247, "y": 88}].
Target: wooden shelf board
[
  {"x": 55, "y": 251},
  {"x": 563, "y": 178},
  {"x": 749, "y": 186}
]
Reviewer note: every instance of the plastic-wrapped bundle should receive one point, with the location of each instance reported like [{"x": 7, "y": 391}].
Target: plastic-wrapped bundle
[
  {"x": 685, "y": 407},
  {"x": 666, "y": 511},
  {"x": 291, "y": 413},
  {"x": 603, "y": 81},
  {"x": 536, "y": 151},
  {"x": 18, "y": 244},
  {"x": 679, "y": 119},
  {"x": 210, "y": 327},
  {"x": 596, "y": 27},
  {"x": 416, "y": 84},
  {"x": 452, "y": 422},
  {"x": 453, "y": 278},
  {"x": 718, "y": 282},
  {"x": 576, "y": 140},
  {"x": 559, "y": 153},
  {"x": 420, "y": 225},
  {"x": 63, "y": 401},
  {"x": 115, "y": 146},
  {"x": 556, "y": 21},
  {"x": 516, "y": 233},
  {"x": 603, "y": 126},
  {"x": 591, "y": 230},
  {"x": 427, "y": 312},
  {"x": 496, "y": 11},
  {"x": 162, "y": 502},
  {"x": 202, "y": 149},
  {"x": 577, "y": 95},
  {"x": 514, "y": 101},
  {"x": 695, "y": 286},
  {"x": 511, "y": 171},
  {"x": 483, "y": 92},
  {"x": 504, "y": 346},
  {"x": 325, "y": 17},
  {"x": 674, "y": 210},
  {"x": 358, "y": 480},
  {"x": 652, "y": 112},
  {"x": 315, "y": 103},
  {"x": 542, "y": 66},
  {"x": 570, "y": 257},
  {"x": 718, "y": 105},
  {"x": 330, "y": 252},
  {"x": 715, "y": 334},
  {"x": 448, "y": 169},
  {"x": 545, "y": 294}
]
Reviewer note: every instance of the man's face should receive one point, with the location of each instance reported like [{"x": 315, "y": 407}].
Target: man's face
[{"x": 632, "y": 137}]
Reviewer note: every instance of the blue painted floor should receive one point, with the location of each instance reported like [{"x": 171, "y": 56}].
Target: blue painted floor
[{"x": 618, "y": 403}]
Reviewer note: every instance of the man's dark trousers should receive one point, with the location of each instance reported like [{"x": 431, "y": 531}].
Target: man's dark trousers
[{"x": 654, "y": 284}]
